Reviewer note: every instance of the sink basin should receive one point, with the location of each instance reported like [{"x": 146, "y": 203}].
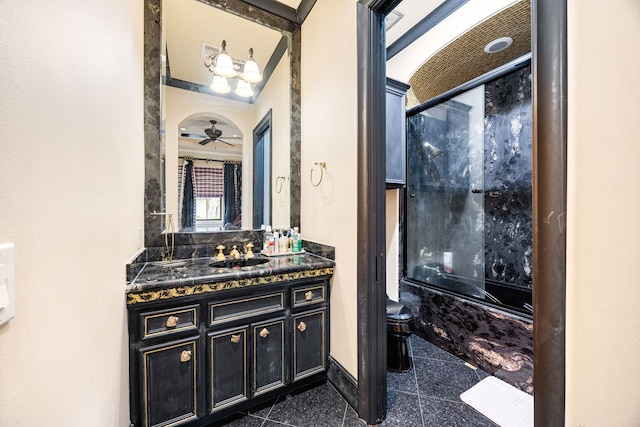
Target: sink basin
[{"x": 237, "y": 263}]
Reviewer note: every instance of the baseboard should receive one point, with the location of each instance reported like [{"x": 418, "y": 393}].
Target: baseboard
[{"x": 344, "y": 382}]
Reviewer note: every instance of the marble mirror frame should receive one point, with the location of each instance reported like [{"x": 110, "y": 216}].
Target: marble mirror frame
[{"x": 154, "y": 201}]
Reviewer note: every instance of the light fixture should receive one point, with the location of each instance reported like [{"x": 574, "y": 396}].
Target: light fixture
[
  {"x": 251, "y": 71},
  {"x": 244, "y": 89},
  {"x": 223, "y": 66},
  {"x": 220, "y": 85},
  {"x": 223, "y": 63},
  {"x": 498, "y": 45}
]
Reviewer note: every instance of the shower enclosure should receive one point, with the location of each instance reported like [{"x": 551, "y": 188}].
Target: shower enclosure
[{"x": 468, "y": 197}]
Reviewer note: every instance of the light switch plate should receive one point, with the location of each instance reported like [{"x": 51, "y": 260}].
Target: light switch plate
[{"x": 7, "y": 282}]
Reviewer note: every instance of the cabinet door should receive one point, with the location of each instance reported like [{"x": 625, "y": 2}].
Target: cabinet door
[
  {"x": 268, "y": 356},
  {"x": 169, "y": 382},
  {"x": 228, "y": 367},
  {"x": 308, "y": 343},
  {"x": 395, "y": 133}
]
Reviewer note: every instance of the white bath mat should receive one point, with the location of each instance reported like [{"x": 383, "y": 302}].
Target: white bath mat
[{"x": 502, "y": 403}]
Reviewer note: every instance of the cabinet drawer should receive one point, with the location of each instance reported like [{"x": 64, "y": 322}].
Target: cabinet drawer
[
  {"x": 306, "y": 295},
  {"x": 168, "y": 321},
  {"x": 247, "y": 307}
]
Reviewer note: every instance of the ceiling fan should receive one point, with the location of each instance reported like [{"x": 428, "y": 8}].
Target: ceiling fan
[{"x": 213, "y": 134}]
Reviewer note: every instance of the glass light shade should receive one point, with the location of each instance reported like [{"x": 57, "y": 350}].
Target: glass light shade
[
  {"x": 220, "y": 85},
  {"x": 224, "y": 65},
  {"x": 244, "y": 89},
  {"x": 251, "y": 71}
]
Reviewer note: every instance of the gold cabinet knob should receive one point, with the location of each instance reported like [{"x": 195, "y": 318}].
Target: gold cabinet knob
[
  {"x": 185, "y": 356},
  {"x": 264, "y": 332},
  {"x": 302, "y": 326},
  {"x": 308, "y": 295},
  {"x": 235, "y": 338},
  {"x": 172, "y": 321}
]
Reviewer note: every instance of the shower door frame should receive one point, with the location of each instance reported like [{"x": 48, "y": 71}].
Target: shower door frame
[{"x": 549, "y": 105}]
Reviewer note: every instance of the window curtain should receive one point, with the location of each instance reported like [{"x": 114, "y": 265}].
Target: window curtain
[
  {"x": 187, "y": 203},
  {"x": 232, "y": 194}
]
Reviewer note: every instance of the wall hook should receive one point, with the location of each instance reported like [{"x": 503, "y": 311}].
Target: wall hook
[
  {"x": 322, "y": 165},
  {"x": 279, "y": 183}
]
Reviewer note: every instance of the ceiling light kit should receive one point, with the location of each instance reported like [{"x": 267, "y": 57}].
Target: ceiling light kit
[
  {"x": 223, "y": 67},
  {"x": 498, "y": 45}
]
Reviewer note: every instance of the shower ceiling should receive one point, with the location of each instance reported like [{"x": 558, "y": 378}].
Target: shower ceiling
[{"x": 464, "y": 58}]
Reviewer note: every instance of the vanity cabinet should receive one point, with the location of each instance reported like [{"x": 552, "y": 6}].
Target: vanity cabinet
[
  {"x": 395, "y": 142},
  {"x": 197, "y": 359}
]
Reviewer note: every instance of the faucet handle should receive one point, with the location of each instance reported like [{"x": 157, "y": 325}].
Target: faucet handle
[
  {"x": 220, "y": 254},
  {"x": 248, "y": 250}
]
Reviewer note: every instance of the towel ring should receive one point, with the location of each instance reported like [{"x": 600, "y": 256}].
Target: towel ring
[
  {"x": 322, "y": 166},
  {"x": 279, "y": 183}
]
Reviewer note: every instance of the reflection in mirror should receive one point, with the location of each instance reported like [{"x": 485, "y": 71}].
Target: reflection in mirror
[
  {"x": 156, "y": 129},
  {"x": 210, "y": 162}
]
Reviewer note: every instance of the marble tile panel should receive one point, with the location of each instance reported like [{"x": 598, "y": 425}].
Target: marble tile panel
[
  {"x": 437, "y": 412},
  {"x": 402, "y": 381},
  {"x": 497, "y": 342},
  {"x": 403, "y": 410},
  {"x": 443, "y": 380},
  {"x": 320, "y": 406},
  {"x": 351, "y": 419}
]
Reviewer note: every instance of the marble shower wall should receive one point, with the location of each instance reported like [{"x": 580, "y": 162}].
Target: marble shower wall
[{"x": 508, "y": 159}]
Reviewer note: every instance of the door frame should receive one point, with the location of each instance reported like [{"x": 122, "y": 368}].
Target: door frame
[{"x": 549, "y": 99}]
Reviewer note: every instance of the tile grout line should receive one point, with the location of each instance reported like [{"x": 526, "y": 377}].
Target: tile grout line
[
  {"x": 415, "y": 378},
  {"x": 344, "y": 416}
]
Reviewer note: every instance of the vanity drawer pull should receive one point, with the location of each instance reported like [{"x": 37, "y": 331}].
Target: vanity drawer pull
[
  {"x": 302, "y": 326},
  {"x": 185, "y": 356},
  {"x": 156, "y": 323},
  {"x": 308, "y": 295},
  {"x": 235, "y": 338},
  {"x": 264, "y": 333},
  {"x": 172, "y": 321}
]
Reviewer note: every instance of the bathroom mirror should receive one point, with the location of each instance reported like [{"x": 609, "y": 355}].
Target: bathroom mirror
[{"x": 179, "y": 112}]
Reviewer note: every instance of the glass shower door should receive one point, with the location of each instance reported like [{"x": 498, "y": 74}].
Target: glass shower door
[{"x": 445, "y": 203}]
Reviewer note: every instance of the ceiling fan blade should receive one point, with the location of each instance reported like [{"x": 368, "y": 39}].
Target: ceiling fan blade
[
  {"x": 205, "y": 141},
  {"x": 225, "y": 142},
  {"x": 209, "y": 133}
]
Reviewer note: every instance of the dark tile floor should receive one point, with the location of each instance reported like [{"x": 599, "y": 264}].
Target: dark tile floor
[{"x": 426, "y": 396}]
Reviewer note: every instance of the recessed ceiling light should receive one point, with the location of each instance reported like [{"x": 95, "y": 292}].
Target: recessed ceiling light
[
  {"x": 498, "y": 45},
  {"x": 183, "y": 129}
]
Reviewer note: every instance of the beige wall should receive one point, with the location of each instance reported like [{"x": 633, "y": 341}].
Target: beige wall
[
  {"x": 329, "y": 134},
  {"x": 603, "y": 274},
  {"x": 392, "y": 231},
  {"x": 71, "y": 191},
  {"x": 273, "y": 97}
]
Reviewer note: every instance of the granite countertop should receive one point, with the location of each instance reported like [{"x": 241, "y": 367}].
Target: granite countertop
[{"x": 185, "y": 277}]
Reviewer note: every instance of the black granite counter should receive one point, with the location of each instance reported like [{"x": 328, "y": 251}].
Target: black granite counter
[{"x": 184, "y": 277}]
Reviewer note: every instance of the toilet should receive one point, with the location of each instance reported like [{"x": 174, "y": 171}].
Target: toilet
[{"x": 399, "y": 328}]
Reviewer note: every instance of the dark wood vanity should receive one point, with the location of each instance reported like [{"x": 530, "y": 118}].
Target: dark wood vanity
[{"x": 208, "y": 342}]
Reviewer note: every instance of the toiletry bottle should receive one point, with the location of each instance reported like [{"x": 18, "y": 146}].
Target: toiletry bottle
[
  {"x": 296, "y": 243},
  {"x": 267, "y": 246},
  {"x": 283, "y": 242},
  {"x": 276, "y": 238}
]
